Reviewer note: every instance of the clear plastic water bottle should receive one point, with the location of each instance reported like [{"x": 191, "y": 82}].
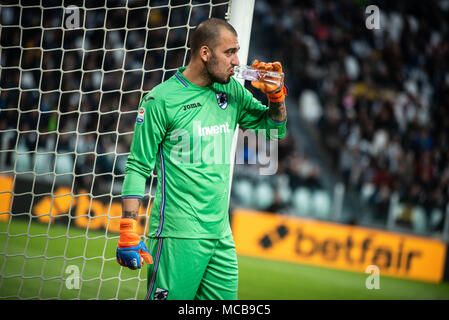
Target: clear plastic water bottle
[{"x": 251, "y": 74}]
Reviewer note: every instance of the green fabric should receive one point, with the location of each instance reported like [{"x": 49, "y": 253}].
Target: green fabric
[
  {"x": 134, "y": 183},
  {"x": 193, "y": 269},
  {"x": 184, "y": 133}
]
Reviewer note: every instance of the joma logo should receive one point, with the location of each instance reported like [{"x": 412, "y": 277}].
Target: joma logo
[{"x": 191, "y": 106}]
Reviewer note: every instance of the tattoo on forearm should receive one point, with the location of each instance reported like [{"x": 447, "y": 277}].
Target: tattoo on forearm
[
  {"x": 131, "y": 213},
  {"x": 278, "y": 111}
]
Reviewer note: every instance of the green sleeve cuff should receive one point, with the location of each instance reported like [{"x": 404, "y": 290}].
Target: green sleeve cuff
[
  {"x": 279, "y": 128},
  {"x": 278, "y": 122},
  {"x": 134, "y": 184}
]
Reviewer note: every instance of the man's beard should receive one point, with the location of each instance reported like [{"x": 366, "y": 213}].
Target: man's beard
[{"x": 210, "y": 66}]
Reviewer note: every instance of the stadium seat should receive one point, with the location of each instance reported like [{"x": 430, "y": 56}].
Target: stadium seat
[
  {"x": 283, "y": 188},
  {"x": 436, "y": 216},
  {"x": 43, "y": 162},
  {"x": 367, "y": 192},
  {"x": 243, "y": 190},
  {"x": 22, "y": 161},
  {"x": 64, "y": 163},
  {"x": 419, "y": 220},
  {"x": 397, "y": 210},
  {"x": 263, "y": 196},
  {"x": 285, "y": 193},
  {"x": 301, "y": 202},
  {"x": 120, "y": 164},
  {"x": 6, "y": 139},
  {"x": 321, "y": 204},
  {"x": 309, "y": 106}
]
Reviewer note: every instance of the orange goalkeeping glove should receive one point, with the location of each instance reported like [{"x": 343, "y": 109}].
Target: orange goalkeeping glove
[
  {"x": 274, "y": 93},
  {"x": 131, "y": 251}
]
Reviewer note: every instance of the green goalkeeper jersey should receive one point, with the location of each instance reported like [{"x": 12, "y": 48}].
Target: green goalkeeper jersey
[{"x": 186, "y": 132}]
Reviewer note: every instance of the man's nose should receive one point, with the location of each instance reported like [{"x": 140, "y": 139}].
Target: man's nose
[{"x": 235, "y": 61}]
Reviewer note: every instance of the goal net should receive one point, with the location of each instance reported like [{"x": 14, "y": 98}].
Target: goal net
[{"x": 72, "y": 76}]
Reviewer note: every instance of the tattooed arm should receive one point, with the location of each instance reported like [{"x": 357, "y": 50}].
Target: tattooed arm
[
  {"x": 130, "y": 208},
  {"x": 278, "y": 110}
]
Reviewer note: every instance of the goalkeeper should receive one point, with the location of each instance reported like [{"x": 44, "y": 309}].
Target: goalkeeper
[{"x": 191, "y": 252}]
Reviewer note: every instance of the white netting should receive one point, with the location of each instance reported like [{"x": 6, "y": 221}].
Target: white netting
[{"x": 68, "y": 103}]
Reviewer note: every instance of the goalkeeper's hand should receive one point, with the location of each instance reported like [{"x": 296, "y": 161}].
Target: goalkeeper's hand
[
  {"x": 131, "y": 251},
  {"x": 274, "y": 93}
]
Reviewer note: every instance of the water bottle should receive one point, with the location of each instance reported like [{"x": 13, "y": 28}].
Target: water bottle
[{"x": 251, "y": 74}]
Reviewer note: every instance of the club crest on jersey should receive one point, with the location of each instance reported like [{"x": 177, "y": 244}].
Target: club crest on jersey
[
  {"x": 141, "y": 115},
  {"x": 222, "y": 100}
]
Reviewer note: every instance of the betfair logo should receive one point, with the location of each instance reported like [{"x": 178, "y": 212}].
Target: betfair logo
[{"x": 191, "y": 106}]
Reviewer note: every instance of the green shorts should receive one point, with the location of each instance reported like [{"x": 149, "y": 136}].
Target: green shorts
[{"x": 192, "y": 269}]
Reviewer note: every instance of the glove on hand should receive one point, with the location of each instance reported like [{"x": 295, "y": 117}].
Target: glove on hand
[
  {"x": 274, "y": 93},
  {"x": 131, "y": 251}
]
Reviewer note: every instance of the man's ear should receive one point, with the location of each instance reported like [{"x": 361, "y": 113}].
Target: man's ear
[{"x": 205, "y": 53}]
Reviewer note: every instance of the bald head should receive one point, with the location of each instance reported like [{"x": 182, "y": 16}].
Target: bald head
[{"x": 207, "y": 33}]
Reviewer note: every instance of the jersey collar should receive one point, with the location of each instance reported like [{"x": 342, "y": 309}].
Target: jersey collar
[{"x": 184, "y": 81}]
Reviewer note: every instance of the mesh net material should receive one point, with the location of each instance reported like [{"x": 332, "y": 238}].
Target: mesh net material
[{"x": 69, "y": 93}]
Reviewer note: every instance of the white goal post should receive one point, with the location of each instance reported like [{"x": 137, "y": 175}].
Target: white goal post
[{"x": 72, "y": 75}]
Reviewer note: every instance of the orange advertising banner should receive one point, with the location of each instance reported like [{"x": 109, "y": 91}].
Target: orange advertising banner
[
  {"x": 337, "y": 246},
  {"x": 85, "y": 211},
  {"x": 6, "y": 189},
  {"x": 89, "y": 213}
]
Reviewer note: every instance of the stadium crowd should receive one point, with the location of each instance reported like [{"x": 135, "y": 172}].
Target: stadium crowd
[
  {"x": 77, "y": 90},
  {"x": 377, "y": 98},
  {"x": 90, "y": 88}
]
